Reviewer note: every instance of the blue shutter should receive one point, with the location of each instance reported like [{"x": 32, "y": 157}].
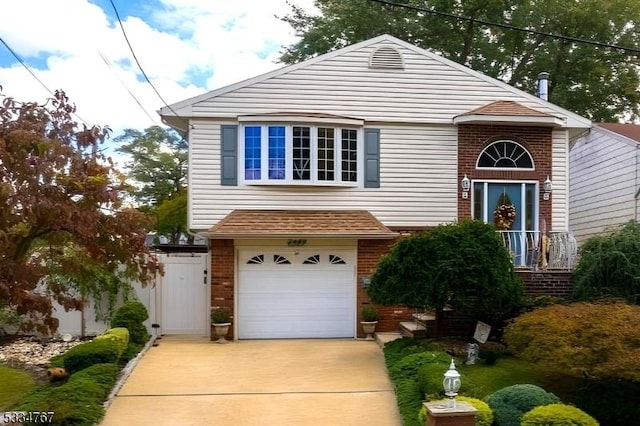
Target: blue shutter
[
  {"x": 229, "y": 155},
  {"x": 372, "y": 158}
]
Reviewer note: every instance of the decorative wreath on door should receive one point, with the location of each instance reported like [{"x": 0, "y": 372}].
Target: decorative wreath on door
[{"x": 505, "y": 213}]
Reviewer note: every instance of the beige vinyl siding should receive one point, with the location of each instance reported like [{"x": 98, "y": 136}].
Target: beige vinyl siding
[
  {"x": 603, "y": 182},
  {"x": 427, "y": 90},
  {"x": 560, "y": 181},
  {"x": 417, "y": 173}
]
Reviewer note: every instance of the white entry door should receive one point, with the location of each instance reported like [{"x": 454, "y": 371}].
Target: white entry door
[
  {"x": 303, "y": 293},
  {"x": 183, "y": 294}
]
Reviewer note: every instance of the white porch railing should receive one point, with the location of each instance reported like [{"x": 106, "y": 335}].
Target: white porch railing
[{"x": 532, "y": 249}]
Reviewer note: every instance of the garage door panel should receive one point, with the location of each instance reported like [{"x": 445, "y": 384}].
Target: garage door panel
[{"x": 296, "y": 300}]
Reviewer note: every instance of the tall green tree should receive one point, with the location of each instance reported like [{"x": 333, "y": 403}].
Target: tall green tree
[
  {"x": 59, "y": 192},
  {"x": 464, "y": 266},
  {"x": 597, "y": 82},
  {"x": 158, "y": 165}
]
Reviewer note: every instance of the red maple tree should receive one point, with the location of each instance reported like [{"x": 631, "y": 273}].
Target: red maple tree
[{"x": 59, "y": 194}]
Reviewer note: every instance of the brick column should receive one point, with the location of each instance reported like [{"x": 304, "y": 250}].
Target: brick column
[{"x": 440, "y": 414}]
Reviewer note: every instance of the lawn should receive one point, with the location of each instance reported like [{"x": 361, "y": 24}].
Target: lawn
[{"x": 14, "y": 385}]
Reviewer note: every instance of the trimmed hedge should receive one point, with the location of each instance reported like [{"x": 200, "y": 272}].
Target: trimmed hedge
[
  {"x": 557, "y": 415},
  {"x": 484, "y": 416},
  {"x": 77, "y": 402},
  {"x": 430, "y": 376},
  {"x": 408, "y": 366},
  {"x": 97, "y": 351},
  {"x": 119, "y": 336},
  {"x": 510, "y": 403},
  {"x": 409, "y": 399},
  {"x": 131, "y": 315}
]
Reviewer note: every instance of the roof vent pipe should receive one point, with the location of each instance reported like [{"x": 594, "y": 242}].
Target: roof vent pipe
[{"x": 543, "y": 86}]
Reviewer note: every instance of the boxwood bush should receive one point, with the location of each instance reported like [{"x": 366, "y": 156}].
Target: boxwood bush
[
  {"x": 510, "y": 403},
  {"x": 86, "y": 354},
  {"x": 484, "y": 415},
  {"x": 557, "y": 414},
  {"x": 77, "y": 402},
  {"x": 131, "y": 315},
  {"x": 119, "y": 336}
]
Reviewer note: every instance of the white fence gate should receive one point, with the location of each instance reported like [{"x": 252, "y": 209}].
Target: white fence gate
[{"x": 179, "y": 301}]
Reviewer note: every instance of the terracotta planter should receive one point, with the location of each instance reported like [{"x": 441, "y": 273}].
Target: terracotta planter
[
  {"x": 369, "y": 328},
  {"x": 221, "y": 331}
]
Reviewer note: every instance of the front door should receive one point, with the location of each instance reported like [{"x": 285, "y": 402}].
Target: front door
[{"x": 513, "y": 208}]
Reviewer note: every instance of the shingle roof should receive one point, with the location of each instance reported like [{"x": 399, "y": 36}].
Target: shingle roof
[
  {"x": 632, "y": 131},
  {"x": 509, "y": 108},
  {"x": 299, "y": 223}
]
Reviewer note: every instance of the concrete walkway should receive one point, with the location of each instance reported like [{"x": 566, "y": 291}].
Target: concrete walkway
[{"x": 192, "y": 381}]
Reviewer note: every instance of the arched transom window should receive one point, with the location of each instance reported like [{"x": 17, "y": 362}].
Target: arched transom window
[{"x": 505, "y": 154}]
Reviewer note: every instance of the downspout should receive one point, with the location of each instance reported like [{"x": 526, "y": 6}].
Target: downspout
[{"x": 637, "y": 187}]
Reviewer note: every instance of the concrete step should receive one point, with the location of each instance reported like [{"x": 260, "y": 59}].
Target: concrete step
[
  {"x": 413, "y": 329},
  {"x": 385, "y": 337}
]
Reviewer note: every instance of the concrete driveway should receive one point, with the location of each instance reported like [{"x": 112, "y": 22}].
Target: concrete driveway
[{"x": 192, "y": 381}]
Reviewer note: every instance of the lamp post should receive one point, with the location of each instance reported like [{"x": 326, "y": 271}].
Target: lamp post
[{"x": 451, "y": 384}]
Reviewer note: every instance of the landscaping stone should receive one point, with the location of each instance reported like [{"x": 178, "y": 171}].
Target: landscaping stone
[{"x": 31, "y": 351}]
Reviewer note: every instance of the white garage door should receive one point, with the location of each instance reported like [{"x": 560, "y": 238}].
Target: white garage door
[{"x": 282, "y": 294}]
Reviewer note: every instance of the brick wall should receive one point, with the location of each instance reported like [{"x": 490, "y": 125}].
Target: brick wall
[
  {"x": 547, "y": 283},
  {"x": 369, "y": 253},
  {"x": 473, "y": 138},
  {"x": 222, "y": 277}
]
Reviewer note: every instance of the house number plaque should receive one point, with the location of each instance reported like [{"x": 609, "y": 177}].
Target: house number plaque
[{"x": 296, "y": 243}]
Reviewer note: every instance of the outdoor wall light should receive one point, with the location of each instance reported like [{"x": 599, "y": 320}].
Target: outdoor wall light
[
  {"x": 465, "y": 183},
  {"x": 546, "y": 186},
  {"x": 451, "y": 384}
]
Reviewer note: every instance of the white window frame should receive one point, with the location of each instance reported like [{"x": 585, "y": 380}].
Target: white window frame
[
  {"x": 485, "y": 198},
  {"x": 533, "y": 164},
  {"x": 289, "y": 180}
]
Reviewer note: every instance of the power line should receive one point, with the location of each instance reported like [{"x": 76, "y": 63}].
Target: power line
[
  {"x": 138, "y": 62},
  {"x": 24, "y": 64},
  {"x": 506, "y": 26},
  {"x": 108, "y": 63}
]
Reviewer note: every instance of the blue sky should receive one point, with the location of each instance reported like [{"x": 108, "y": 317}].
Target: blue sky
[{"x": 186, "y": 47}]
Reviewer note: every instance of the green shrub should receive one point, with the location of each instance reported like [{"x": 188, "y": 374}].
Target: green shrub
[
  {"x": 86, "y": 354},
  {"x": 408, "y": 366},
  {"x": 132, "y": 350},
  {"x": 409, "y": 399},
  {"x": 555, "y": 337},
  {"x": 429, "y": 377},
  {"x": 131, "y": 316},
  {"x": 369, "y": 314},
  {"x": 557, "y": 415},
  {"x": 484, "y": 415},
  {"x": 118, "y": 336},
  {"x": 220, "y": 315},
  {"x": 598, "y": 396},
  {"x": 490, "y": 352},
  {"x": 510, "y": 403},
  {"x": 77, "y": 402},
  {"x": 397, "y": 349}
]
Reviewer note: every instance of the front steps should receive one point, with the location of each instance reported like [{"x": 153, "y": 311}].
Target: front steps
[{"x": 421, "y": 327}]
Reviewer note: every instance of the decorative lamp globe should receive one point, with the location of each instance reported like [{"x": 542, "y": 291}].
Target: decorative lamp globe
[
  {"x": 451, "y": 383},
  {"x": 465, "y": 183}
]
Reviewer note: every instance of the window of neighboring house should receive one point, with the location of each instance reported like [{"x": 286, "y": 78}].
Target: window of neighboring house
[
  {"x": 505, "y": 154},
  {"x": 301, "y": 154}
]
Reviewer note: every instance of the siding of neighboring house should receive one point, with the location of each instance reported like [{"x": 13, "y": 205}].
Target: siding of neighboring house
[
  {"x": 560, "y": 179},
  {"x": 604, "y": 168},
  {"x": 417, "y": 172},
  {"x": 343, "y": 84}
]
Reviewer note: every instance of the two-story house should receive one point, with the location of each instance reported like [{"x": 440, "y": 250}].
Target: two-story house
[{"x": 303, "y": 177}]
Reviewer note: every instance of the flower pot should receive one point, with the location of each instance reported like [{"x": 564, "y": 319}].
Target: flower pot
[
  {"x": 369, "y": 327},
  {"x": 221, "y": 331}
]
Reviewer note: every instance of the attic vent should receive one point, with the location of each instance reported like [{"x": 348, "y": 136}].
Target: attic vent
[{"x": 386, "y": 57}]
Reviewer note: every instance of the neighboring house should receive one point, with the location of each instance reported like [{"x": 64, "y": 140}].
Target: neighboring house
[
  {"x": 604, "y": 179},
  {"x": 303, "y": 177}
]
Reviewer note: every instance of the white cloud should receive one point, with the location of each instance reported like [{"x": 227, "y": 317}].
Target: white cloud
[{"x": 186, "y": 47}]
